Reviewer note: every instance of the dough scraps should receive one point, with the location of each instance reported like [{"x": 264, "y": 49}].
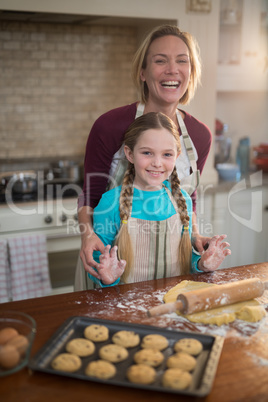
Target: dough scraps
[{"x": 249, "y": 310}]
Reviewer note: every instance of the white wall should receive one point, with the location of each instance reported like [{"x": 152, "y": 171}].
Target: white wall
[{"x": 246, "y": 114}]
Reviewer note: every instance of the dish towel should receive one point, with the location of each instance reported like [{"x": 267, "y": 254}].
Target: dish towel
[
  {"x": 5, "y": 289},
  {"x": 29, "y": 267}
]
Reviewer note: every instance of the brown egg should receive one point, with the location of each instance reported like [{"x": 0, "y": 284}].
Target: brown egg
[
  {"x": 6, "y": 334},
  {"x": 9, "y": 356},
  {"x": 20, "y": 342}
]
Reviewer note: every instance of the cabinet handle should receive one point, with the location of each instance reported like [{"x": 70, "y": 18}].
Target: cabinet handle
[
  {"x": 48, "y": 219},
  {"x": 63, "y": 218}
]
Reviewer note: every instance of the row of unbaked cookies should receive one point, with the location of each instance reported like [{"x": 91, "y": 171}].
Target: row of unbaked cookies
[{"x": 147, "y": 359}]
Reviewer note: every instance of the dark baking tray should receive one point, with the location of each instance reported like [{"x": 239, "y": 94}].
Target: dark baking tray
[{"x": 203, "y": 375}]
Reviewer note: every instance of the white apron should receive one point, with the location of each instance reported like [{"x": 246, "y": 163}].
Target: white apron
[{"x": 155, "y": 246}]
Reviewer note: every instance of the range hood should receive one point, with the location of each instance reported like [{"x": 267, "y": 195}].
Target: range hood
[{"x": 79, "y": 19}]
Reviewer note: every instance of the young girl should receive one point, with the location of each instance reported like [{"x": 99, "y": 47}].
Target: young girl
[{"x": 148, "y": 218}]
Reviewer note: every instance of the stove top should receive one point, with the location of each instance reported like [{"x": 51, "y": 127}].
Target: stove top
[{"x": 49, "y": 191}]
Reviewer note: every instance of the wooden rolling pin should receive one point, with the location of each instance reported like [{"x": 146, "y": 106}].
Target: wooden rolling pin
[{"x": 211, "y": 297}]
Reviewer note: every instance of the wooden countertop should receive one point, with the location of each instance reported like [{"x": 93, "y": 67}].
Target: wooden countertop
[{"x": 243, "y": 367}]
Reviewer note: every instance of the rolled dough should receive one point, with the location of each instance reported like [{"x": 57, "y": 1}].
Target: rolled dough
[{"x": 250, "y": 310}]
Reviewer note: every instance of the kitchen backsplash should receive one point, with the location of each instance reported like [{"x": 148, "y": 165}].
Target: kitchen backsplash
[{"x": 55, "y": 80}]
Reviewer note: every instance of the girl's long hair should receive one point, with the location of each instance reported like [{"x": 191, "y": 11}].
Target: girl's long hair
[{"x": 145, "y": 122}]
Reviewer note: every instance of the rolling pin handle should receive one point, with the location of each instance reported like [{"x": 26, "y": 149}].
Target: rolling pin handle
[
  {"x": 165, "y": 309},
  {"x": 265, "y": 285}
]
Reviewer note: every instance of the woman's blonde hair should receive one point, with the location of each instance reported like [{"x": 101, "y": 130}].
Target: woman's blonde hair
[
  {"x": 145, "y": 122},
  {"x": 140, "y": 61}
]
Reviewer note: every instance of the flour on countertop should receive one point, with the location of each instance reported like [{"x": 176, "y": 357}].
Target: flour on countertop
[
  {"x": 260, "y": 361},
  {"x": 220, "y": 275},
  {"x": 138, "y": 300}
]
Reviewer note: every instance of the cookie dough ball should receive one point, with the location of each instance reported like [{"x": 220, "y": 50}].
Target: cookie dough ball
[
  {"x": 113, "y": 353},
  {"x": 154, "y": 341},
  {"x": 80, "y": 347},
  {"x": 67, "y": 362},
  {"x": 96, "y": 333},
  {"x": 20, "y": 342},
  {"x": 9, "y": 356},
  {"x": 189, "y": 345},
  {"x": 6, "y": 334},
  {"x": 141, "y": 374},
  {"x": 176, "y": 378},
  {"x": 127, "y": 339},
  {"x": 251, "y": 313},
  {"x": 181, "y": 360},
  {"x": 101, "y": 369},
  {"x": 151, "y": 357}
]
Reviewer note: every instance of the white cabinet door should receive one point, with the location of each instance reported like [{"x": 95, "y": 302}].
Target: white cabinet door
[
  {"x": 243, "y": 216},
  {"x": 204, "y": 213},
  {"x": 243, "y": 56}
]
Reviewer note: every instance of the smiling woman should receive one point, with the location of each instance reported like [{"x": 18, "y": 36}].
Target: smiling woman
[{"x": 166, "y": 75}]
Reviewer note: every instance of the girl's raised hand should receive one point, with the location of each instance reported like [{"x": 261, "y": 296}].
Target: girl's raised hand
[
  {"x": 109, "y": 268},
  {"x": 212, "y": 258}
]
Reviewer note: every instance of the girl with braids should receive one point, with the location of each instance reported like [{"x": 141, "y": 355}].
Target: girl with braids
[{"x": 148, "y": 219}]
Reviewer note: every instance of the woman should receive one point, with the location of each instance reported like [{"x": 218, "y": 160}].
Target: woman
[
  {"x": 147, "y": 219},
  {"x": 166, "y": 72}
]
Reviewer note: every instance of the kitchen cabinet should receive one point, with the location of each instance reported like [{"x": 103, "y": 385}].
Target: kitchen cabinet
[
  {"x": 241, "y": 215},
  {"x": 243, "y": 53}
]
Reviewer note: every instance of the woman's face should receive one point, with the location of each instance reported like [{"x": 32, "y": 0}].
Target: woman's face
[
  {"x": 154, "y": 157},
  {"x": 167, "y": 71}
]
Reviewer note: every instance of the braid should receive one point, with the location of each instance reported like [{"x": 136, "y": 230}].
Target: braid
[
  {"x": 177, "y": 194},
  {"x": 126, "y": 192},
  {"x": 123, "y": 241},
  {"x": 185, "y": 248}
]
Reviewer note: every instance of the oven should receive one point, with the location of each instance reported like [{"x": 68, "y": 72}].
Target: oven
[{"x": 48, "y": 208}]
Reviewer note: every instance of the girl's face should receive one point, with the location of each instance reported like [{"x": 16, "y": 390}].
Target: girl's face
[
  {"x": 167, "y": 71},
  {"x": 154, "y": 158}
]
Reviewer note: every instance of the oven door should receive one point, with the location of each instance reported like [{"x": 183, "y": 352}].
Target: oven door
[{"x": 57, "y": 220}]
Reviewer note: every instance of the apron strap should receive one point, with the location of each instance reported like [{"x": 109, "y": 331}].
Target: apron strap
[
  {"x": 187, "y": 142},
  {"x": 140, "y": 110},
  {"x": 171, "y": 198}
]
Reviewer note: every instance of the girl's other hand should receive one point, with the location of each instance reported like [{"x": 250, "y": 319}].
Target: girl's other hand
[{"x": 212, "y": 258}]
